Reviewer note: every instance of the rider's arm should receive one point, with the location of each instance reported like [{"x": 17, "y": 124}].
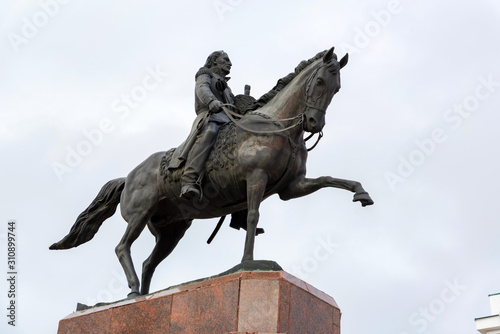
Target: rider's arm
[{"x": 203, "y": 89}]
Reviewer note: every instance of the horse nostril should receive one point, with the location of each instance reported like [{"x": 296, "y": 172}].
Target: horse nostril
[{"x": 312, "y": 121}]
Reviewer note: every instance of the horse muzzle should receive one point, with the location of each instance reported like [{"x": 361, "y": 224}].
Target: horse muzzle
[{"x": 314, "y": 120}]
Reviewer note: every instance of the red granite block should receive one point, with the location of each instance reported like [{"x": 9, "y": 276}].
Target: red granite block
[
  {"x": 184, "y": 313},
  {"x": 149, "y": 316},
  {"x": 93, "y": 323},
  {"x": 284, "y": 311},
  {"x": 218, "y": 308},
  {"x": 209, "y": 309},
  {"x": 259, "y": 305},
  {"x": 308, "y": 314},
  {"x": 336, "y": 316}
]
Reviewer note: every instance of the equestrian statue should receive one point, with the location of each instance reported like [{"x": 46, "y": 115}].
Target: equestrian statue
[{"x": 240, "y": 151}]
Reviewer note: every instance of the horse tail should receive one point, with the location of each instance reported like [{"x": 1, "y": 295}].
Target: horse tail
[{"x": 88, "y": 222}]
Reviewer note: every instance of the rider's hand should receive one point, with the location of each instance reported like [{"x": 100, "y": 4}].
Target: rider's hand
[{"x": 215, "y": 106}]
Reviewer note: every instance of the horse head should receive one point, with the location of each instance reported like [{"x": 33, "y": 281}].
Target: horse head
[{"x": 322, "y": 85}]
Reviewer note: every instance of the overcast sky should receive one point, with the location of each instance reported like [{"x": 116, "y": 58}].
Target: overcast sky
[{"x": 416, "y": 122}]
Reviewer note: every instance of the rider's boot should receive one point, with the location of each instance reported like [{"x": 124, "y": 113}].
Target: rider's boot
[{"x": 195, "y": 164}]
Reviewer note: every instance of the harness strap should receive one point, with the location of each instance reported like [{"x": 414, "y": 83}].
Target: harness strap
[
  {"x": 309, "y": 137},
  {"x": 266, "y": 120},
  {"x": 231, "y": 114},
  {"x": 311, "y": 106},
  {"x": 320, "y": 135}
]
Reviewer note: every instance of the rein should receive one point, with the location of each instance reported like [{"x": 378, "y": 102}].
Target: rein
[
  {"x": 300, "y": 119},
  {"x": 231, "y": 114},
  {"x": 320, "y": 135}
]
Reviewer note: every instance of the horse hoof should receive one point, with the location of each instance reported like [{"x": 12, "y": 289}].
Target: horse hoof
[
  {"x": 133, "y": 295},
  {"x": 364, "y": 198}
]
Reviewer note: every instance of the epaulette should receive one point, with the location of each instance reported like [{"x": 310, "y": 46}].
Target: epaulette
[{"x": 201, "y": 71}]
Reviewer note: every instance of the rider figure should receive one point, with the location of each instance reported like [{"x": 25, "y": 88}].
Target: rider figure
[{"x": 211, "y": 93}]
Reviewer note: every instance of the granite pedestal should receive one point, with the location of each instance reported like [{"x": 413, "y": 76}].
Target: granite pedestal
[{"x": 244, "y": 302}]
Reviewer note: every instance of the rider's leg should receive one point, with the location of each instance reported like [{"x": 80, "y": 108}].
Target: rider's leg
[{"x": 193, "y": 171}]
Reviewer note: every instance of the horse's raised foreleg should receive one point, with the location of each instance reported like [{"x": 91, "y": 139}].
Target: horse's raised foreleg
[
  {"x": 256, "y": 185},
  {"x": 166, "y": 239},
  {"x": 303, "y": 186}
]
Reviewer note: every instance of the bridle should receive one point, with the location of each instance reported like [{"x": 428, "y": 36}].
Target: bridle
[
  {"x": 298, "y": 118},
  {"x": 308, "y": 87}
]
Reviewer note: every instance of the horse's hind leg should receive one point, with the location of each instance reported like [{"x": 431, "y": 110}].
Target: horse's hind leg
[
  {"x": 136, "y": 224},
  {"x": 137, "y": 206},
  {"x": 167, "y": 238}
]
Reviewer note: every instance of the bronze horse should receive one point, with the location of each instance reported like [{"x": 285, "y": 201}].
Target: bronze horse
[{"x": 271, "y": 159}]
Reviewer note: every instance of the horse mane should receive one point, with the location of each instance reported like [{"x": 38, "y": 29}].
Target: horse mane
[{"x": 283, "y": 82}]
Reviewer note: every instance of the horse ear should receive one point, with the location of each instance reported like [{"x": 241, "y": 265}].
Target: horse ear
[
  {"x": 344, "y": 60},
  {"x": 328, "y": 56}
]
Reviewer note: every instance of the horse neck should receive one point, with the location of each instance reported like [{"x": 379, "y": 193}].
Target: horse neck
[{"x": 290, "y": 101}]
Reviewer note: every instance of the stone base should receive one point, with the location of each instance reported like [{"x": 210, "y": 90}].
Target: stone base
[{"x": 244, "y": 302}]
